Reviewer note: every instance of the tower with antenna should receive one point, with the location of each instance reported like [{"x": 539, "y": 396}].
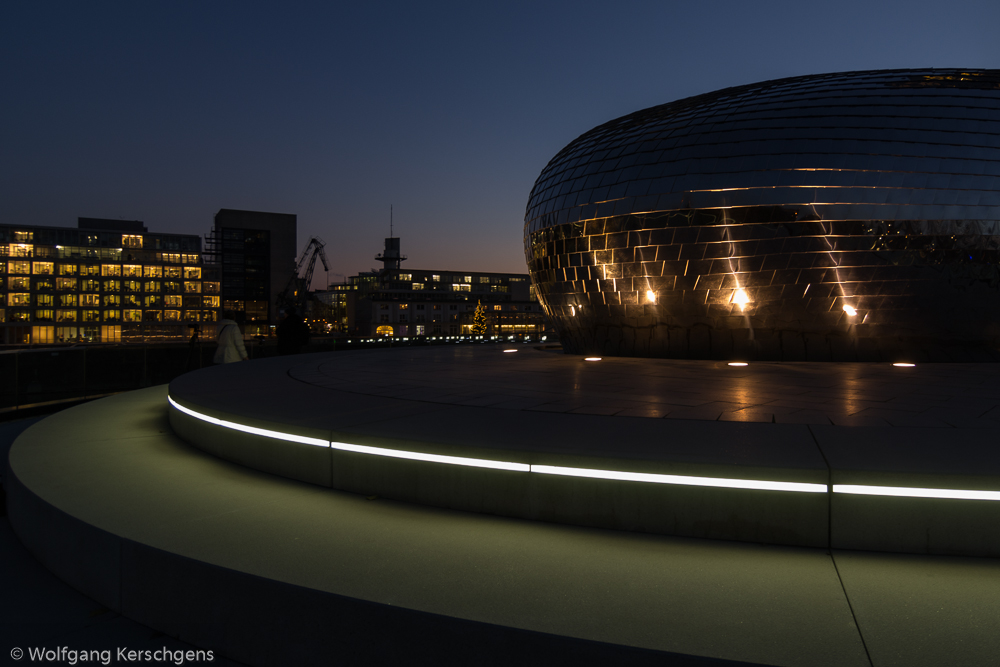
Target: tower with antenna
[{"x": 390, "y": 256}]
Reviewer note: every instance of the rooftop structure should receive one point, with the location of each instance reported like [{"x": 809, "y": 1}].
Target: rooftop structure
[{"x": 838, "y": 216}]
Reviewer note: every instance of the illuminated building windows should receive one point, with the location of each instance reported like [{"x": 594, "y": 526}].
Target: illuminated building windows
[
  {"x": 174, "y": 301},
  {"x": 112, "y": 316},
  {"x": 418, "y": 286},
  {"x": 171, "y": 316},
  {"x": 172, "y": 272},
  {"x": 436, "y": 278},
  {"x": 151, "y": 286},
  {"x": 131, "y": 241},
  {"x": 132, "y": 315},
  {"x": 19, "y": 283},
  {"x": 152, "y": 315},
  {"x": 90, "y": 285},
  {"x": 44, "y": 300},
  {"x": 210, "y": 301},
  {"x": 111, "y": 334},
  {"x": 459, "y": 287},
  {"x": 152, "y": 272},
  {"x": 112, "y": 300},
  {"x": 67, "y": 269},
  {"x": 44, "y": 285},
  {"x": 131, "y": 286},
  {"x": 65, "y": 316},
  {"x": 41, "y": 335},
  {"x": 90, "y": 300},
  {"x": 384, "y": 331},
  {"x": 484, "y": 279},
  {"x": 404, "y": 306},
  {"x": 19, "y": 267},
  {"x": 171, "y": 287},
  {"x": 90, "y": 270},
  {"x": 111, "y": 270},
  {"x": 66, "y": 284},
  {"x": 20, "y": 250},
  {"x": 405, "y": 277},
  {"x": 436, "y": 306},
  {"x": 132, "y": 271},
  {"x": 209, "y": 316},
  {"x": 42, "y": 268},
  {"x": 19, "y": 316},
  {"x": 152, "y": 301},
  {"x": 192, "y": 273},
  {"x": 90, "y": 316},
  {"x": 112, "y": 285},
  {"x": 190, "y": 259},
  {"x": 67, "y": 300},
  {"x": 210, "y": 287},
  {"x": 44, "y": 315},
  {"x": 192, "y": 287},
  {"x": 19, "y": 299},
  {"x": 498, "y": 307},
  {"x": 24, "y": 237},
  {"x": 467, "y": 279}
]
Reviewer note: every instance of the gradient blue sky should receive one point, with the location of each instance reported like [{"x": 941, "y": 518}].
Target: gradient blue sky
[{"x": 167, "y": 112}]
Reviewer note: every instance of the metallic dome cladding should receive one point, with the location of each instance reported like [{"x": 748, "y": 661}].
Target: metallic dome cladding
[{"x": 830, "y": 217}]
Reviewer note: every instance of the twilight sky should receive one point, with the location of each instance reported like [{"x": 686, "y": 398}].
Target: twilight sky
[{"x": 166, "y": 112}]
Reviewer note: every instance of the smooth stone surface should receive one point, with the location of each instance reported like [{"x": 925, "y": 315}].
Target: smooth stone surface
[{"x": 173, "y": 508}]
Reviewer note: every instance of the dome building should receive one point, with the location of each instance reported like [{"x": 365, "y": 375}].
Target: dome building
[{"x": 850, "y": 216}]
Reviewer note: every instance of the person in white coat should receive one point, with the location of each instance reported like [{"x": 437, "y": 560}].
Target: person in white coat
[{"x": 230, "y": 340}]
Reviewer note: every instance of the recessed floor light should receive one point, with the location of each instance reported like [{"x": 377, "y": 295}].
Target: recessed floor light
[
  {"x": 510, "y": 350},
  {"x": 902, "y": 365},
  {"x": 592, "y": 359},
  {"x": 738, "y": 363}
]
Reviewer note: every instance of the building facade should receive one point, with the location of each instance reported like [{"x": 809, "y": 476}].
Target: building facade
[
  {"x": 103, "y": 281},
  {"x": 415, "y": 302},
  {"x": 256, "y": 254},
  {"x": 851, "y": 216}
]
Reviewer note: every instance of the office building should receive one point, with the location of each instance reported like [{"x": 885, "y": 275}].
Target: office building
[{"x": 103, "y": 281}]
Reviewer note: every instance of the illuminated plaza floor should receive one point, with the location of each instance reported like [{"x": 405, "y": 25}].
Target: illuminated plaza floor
[{"x": 561, "y": 590}]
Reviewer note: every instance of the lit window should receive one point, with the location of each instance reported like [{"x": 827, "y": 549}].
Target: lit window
[
  {"x": 90, "y": 299},
  {"x": 436, "y": 279},
  {"x": 24, "y": 237},
  {"x": 174, "y": 300},
  {"x": 107, "y": 269},
  {"x": 65, "y": 283},
  {"x": 418, "y": 286},
  {"x": 132, "y": 271},
  {"x": 192, "y": 273},
  {"x": 42, "y": 268},
  {"x": 19, "y": 267},
  {"x": 405, "y": 277},
  {"x": 131, "y": 241},
  {"x": 404, "y": 306},
  {"x": 459, "y": 287},
  {"x": 192, "y": 287},
  {"x": 467, "y": 279},
  {"x": 151, "y": 286},
  {"x": 19, "y": 299},
  {"x": 112, "y": 300},
  {"x": 172, "y": 315},
  {"x": 152, "y": 271}
]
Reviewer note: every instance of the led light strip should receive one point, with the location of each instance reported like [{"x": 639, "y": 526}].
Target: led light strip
[
  {"x": 683, "y": 480},
  {"x": 433, "y": 458},
  {"x": 250, "y": 429},
  {"x": 911, "y": 492},
  {"x": 801, "y": 487}
]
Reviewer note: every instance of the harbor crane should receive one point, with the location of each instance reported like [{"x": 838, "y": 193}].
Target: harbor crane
[{"x": 297, "y": 290}]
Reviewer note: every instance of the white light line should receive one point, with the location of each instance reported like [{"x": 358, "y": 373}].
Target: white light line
[
  {"x": 433, "y": 458},
  {"x": 719, "y": 482},
  {"x": 250, "y": 429},
  {"x": 911, "y": 492},
  {"x": 801, "y": 487}
]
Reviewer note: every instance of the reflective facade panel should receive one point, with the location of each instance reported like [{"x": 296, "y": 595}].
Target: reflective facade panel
[{"x": 851, "y": 216}]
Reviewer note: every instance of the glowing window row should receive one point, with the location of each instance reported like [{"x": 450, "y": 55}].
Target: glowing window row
[{"x": 118, "y": 270}]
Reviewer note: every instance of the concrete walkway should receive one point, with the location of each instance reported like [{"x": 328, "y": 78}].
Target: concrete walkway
[{"x": 293, "y": 566}]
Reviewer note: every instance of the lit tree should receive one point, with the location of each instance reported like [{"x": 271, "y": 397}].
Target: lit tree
[{"x": 479, "y": 320}]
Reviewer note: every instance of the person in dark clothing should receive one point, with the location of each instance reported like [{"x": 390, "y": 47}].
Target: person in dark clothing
[{"x": 292, "y": 334}]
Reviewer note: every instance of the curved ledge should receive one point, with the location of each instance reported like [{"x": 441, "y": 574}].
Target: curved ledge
[{"x": 767, "y": 483}]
